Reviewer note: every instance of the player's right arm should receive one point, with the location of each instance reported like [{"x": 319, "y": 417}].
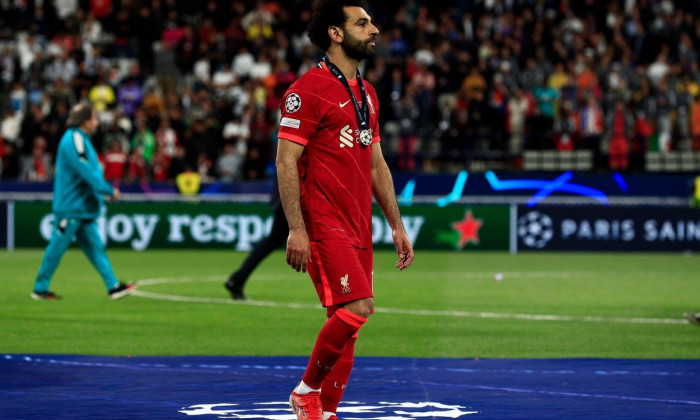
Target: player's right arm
[{"x": 298, "y": 245}]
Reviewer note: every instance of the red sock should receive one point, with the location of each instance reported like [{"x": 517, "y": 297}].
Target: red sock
[
  {"x": 330, "y": 343},
  {"x": 337, "y": 380}
]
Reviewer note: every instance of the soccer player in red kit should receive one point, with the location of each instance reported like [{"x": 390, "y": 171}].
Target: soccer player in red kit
[{"x": 329, "y": 164}]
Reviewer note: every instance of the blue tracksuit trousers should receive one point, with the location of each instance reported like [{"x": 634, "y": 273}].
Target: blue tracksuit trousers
[{"x": 85, "y": 231}]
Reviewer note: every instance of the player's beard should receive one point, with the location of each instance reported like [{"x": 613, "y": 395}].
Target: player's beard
[{"x": 356, "y": 48}]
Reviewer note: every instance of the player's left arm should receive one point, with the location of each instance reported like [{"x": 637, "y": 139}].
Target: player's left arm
[
  {"x": 383, "y": 189},
  {"x": 82, "y": 158}
]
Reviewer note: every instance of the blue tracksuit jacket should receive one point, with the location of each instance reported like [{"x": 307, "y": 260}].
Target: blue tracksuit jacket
[{"x": 79, "y": 184}]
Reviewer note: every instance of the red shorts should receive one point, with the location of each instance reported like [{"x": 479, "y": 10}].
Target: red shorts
[{"x": 340, "y": 272}]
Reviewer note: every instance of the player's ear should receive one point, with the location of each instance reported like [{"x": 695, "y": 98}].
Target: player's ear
[{"x": 336, "y": 34}]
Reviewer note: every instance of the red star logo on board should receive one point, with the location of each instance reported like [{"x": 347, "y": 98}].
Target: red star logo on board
[{"x": 468, "y": 229}]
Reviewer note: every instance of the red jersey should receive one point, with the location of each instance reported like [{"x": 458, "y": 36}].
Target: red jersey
[
  {"x": 335, "y": 169},
  {"x": 114, "y": 165}
]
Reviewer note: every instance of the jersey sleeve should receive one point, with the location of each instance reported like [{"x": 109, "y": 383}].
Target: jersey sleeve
[
  {"x": 374, "y": 106},
  {"x": 300, "y": 113}
]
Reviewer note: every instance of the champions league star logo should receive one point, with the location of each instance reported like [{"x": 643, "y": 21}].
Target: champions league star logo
[
  {"x": 293, "y": 103},
  {"x": 354, "y": 410},
  {"x": 365, "y": 136},
  {"x": 535, "y": 229}
]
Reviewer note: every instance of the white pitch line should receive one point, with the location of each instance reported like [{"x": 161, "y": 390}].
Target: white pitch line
[
  {"x": 533, "y": 317},
  {"x": 229, "y": 301},
  {"x": 400, "y": 311}
]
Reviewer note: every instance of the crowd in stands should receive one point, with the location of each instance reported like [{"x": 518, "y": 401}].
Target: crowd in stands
[{"x": 195, "y": 85}]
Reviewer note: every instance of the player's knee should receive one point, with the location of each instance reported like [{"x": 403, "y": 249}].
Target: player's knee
[{"x": 361, "y": 307}]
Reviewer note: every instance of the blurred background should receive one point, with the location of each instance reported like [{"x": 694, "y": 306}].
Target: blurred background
[{"x": 464, "y": 84}]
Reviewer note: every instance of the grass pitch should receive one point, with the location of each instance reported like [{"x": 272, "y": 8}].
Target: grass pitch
[{"x": 548, "y": 305}]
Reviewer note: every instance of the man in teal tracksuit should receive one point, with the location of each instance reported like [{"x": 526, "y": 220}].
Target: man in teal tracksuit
[{"x": 77, "y": 201}]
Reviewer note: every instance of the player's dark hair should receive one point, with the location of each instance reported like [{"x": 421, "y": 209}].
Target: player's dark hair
[
  {"x": 328, "y": 13},
  {"x": 79, "y": 114}
]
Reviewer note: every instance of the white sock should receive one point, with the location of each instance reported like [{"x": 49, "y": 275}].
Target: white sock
[
  {"x": 303, "y": 389},
  {"x": 327, "y": 415}
]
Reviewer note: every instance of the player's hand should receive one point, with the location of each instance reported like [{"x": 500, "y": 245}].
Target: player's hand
[
  {"x": 298, "y": 249},
  {"x": 403, "y": 248},
  {"x": 116, "y": 194}
]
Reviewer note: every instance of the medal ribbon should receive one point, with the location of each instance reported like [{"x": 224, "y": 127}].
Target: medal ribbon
[{"x": 362, "y": 113}]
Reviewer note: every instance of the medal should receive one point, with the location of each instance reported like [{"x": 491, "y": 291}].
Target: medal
[
  {"x": 362, "y": 113},
  {"x": 366, "y": 137}
]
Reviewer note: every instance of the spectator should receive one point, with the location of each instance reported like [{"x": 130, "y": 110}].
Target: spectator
[
  {"x": 61, "y": 67},
  {"x": 666, "y": 103},
  {"x": 166, "y": 139},
  {"x": 129, "y": 96},
  {"x": 685, "y": 94},
  {"x": 186, "y": 46},
  {"x": 619, "y": 131},
  {"x": 38, "y": 166},
  {"x": 119, "y": 133},
  {"x": 102, "y": 95},
  {"x": 56, "y": 122},
  {"x": 262, "y": 67},
  {"x": 229, "y": 165},
  {"x": 148, "y": 33},
  {"x": 144, "y": 140},
  {"x": 243, "y": 63},
  {"x": 695, "y": 123},
  {"x": 173, "y": 33},
  {"x": 137, "y": 171},
  {"x": 202, "y": 68},
  {"x": 532, "y": 76},
  {"x": 258, "y": 23},
  {"x": 407, "y": 115},
  {"x": 160, "y": 166},
  {"x": 587, "y": 82},
  {"x": 34, "y": 126},
  {"x": 474, "y": 86},
  {"x": 617, "y": 84},
  {"x": 234, "y": 37},
  {"x": 178, "y": 164},
  {"x": 237, "y": 131},
  {"x": 153, "y": 104},
  {"x": 101, "y": 8},
  {"x": 165, "y": 66},
  {"x": 91, "y": 29},
  {"x": 559, "y": 77},
  {"x": 543, "y": 120},
  {"x": 644, "y": 129},
  {"x": 10, "y": 161},
  {"x": 123, "y": 31},
  {"x": 18, "y": 98},
  {"x": 62, "y": 93},
  {"x": 518, "y": 110},
  {"x": 658, "y": 70},
  {"x": 10, "y": 127},
  {"x": 422, "y": 86},
  {"x": 207, "y": 32},
  {"x": 565, "y": 128},
  {"x": 223, "y": 80},
  {"x": 590, "y": 118},
  {"x": 259, "y": 147},
  {"x": 115, "y": 161},
  {"x": 204, "y": 167}
]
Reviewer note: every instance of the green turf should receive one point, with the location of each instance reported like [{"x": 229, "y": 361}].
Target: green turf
[{"x": 450, "y": 288}]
